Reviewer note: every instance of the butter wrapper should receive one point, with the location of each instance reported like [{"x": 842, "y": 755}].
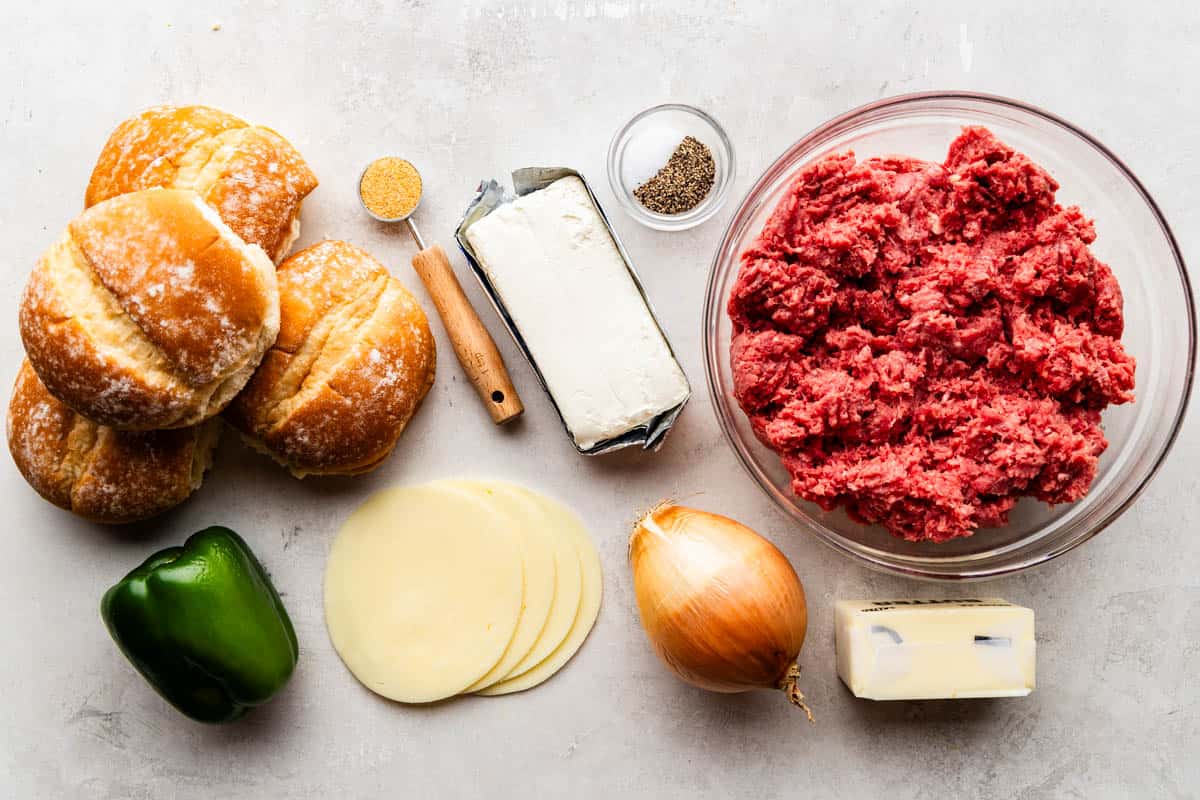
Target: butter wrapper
[{"x": 491, "y": 195}]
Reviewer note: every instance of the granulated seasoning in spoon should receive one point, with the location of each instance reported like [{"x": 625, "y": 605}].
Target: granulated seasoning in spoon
[
  {"x": 390, "y": 188},
  {"x": 683, "y": 182}
]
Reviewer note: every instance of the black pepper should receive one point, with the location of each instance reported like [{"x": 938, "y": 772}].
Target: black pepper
[{"x": 683, "y": 182}]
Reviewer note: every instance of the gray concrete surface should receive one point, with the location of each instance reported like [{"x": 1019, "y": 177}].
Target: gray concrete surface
[{"x": 472, "y": 88}]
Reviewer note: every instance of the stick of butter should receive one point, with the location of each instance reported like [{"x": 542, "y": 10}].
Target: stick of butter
[{"x": 935, "y": 649}]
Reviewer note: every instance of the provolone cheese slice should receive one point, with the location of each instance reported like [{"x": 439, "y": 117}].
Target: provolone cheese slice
[
  {"x": 568, "y": 588},
  {"x": 589, "y": 607},
  {"x": 423, "y": 591},
  {"x": 540, "y": 556}
]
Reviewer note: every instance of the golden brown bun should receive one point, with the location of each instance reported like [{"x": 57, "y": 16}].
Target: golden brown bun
[
  {"x": 97, "y": 472},
  {"x": 352, "y": 363},
  {"x": 149, "y": 312},
  {"x": 250, "y": 174}
]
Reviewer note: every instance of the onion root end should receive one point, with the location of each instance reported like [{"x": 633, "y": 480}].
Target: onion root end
[{"x": 791, "y": 687}]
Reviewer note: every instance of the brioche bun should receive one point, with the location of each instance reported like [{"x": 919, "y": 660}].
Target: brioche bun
[
  {"x": 251, "y": 175},
  {"x": 95, "y": 471},
  {"x": 353, "y": 361},
  {"x": 149, "y": 312}
]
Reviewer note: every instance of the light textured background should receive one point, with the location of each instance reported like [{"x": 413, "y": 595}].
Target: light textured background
[{"x": 470, "y": 89}]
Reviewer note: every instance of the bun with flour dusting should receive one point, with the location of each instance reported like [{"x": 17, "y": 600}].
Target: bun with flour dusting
[
  {"x": 251, "y": 175},
  {"x": 149, "y": 312},
  {"x": 353, "y": 361},
  {"x": 97, "y": 472}
]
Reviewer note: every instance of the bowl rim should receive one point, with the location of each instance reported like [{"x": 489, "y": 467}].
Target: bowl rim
[
  {"x": 706, "y": 209},
  {"x": 713, "y": 303}
]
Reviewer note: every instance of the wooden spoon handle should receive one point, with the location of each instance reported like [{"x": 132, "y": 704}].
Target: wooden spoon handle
[{"x": 472, "y": 343}]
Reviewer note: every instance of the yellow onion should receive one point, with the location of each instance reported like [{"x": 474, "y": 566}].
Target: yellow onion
[{"x": 721, "y": 605}]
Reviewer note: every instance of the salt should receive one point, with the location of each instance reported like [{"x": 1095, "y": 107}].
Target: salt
[{"x": 648, "y": 151}]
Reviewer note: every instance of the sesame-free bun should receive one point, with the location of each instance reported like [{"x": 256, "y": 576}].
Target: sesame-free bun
[
  {"x": 250, "y": 174},
  {"x": 353, "y": 361},
  {"x": 149, "y": 312},
  {"x": 97, "y": 472}
]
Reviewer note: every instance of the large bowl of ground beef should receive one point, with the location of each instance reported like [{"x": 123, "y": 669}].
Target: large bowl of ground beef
[{"x": 950, "y": 334}]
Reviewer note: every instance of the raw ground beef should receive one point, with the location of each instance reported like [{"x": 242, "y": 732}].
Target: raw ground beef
[{"x": 925, "y": 344}]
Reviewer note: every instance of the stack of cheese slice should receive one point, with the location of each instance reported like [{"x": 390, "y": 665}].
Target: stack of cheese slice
[{"x": 460, "y": 586}]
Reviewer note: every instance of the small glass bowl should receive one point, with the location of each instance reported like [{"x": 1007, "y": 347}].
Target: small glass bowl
[
  {"x": 1132, "y": 238},
  {"x": 643, "y": 145}
]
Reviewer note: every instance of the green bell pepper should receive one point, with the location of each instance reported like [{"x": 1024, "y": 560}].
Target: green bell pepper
[{"x": 204, "y": 626}]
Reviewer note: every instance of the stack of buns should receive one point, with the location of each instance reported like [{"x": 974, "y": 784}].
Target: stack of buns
[{"x": 160, "y": 306}]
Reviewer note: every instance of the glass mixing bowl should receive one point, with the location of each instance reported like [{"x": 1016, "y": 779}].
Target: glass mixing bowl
[{"x": 1132, "y": 238}]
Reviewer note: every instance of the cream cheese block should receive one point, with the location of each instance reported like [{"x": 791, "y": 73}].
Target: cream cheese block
[
  {"x": 935, "y": 649},
  {"x": 554, "y": 264}
]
